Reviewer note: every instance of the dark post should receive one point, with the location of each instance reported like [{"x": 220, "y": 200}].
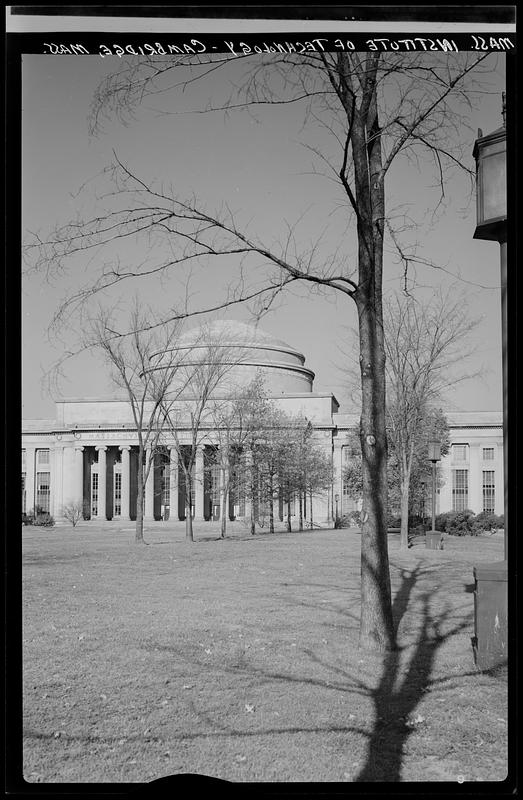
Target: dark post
[
  {"x": 433, "y": 496},
  {"x": 490, "y": 596},
  {"x": 434, "y": 538}
]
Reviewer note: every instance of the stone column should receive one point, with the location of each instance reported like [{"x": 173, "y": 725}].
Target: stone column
[
  {"x": 337, "y": 488},
  {"x": 198, "y": 485},
  {"x": 173, "y": 484},
  {"x": 126, "y": 477},
  {"x": 321, "y": 505},
  {"x": 30, "y": 455},
  {"x": 69, "y": 475},
  {"x": 79, "y": 474},
  {"x": 149, "y": 489},
  {"x": 102, "y": 479},
  {"x": 246, "y": 477},
  {"x": 57, "y": 480}
]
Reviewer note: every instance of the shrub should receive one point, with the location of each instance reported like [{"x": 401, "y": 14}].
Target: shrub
[
  {"x": 350, "y": 520},
  {"x": 486, "y": 521},
  {"x": 394, "y": 521},
  {"x": 354, "y": 519},
  {"x": 44, "y": 519},
  {"x": 456, "y": 523},
  {"x": 73, "y": 512},
  {"x": 418, "y": 530}
]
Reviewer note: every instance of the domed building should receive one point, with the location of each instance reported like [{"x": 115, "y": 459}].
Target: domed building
[
  {"x": 88, "y": 454},
  {"x": 246, "y": 352}
]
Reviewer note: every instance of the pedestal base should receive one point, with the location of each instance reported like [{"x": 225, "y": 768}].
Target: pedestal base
[
  {"x": 434, "y": 540},
  {"x": 490, "y": 615}
]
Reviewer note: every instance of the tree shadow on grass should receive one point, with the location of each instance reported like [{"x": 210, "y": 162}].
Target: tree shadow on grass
[{"x": 401, "y": 688}]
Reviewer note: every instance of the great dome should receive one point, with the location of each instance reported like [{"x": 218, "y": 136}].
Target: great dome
[{"x": 249, "y": 352}]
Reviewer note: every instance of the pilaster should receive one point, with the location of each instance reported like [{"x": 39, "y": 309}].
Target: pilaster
[
  {"x": 126, "y": 478},
  {"x": 102, "y": 481}
]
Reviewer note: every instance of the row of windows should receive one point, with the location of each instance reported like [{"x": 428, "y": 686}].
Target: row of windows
[
  {"x": 460, "y": 490},
  {"x": 460, "y": 452}
]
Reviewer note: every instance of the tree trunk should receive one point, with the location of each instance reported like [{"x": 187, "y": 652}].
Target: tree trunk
[
  {"x": 404, "y": 530},
  {"x": 138, "y": 538},
  {"x": 289, "y": 526},
  {"x": 224, "y": 505},
  {"x": 253, "y": 500},
  {"x": 189, "y": 535},
  {"x": 310, "y": 504},
  {"x": 271, "y": 505},
  {"x": 376, "y": 624},
  {"x": 300, "y": 495}
]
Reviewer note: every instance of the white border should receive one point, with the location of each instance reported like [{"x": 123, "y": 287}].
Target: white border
[{"x": 38, "y": 23}]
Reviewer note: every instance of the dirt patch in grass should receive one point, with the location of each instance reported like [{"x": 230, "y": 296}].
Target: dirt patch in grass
[{"x": 238, "y": 659}]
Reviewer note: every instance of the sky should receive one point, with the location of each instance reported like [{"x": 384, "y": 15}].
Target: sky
[{"x": 262, "y": 167}]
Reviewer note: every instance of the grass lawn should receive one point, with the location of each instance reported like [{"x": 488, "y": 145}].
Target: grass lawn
[{"x": 238, "y": 659}]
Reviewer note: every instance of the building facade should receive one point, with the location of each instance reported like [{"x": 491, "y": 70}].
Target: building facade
[{"x": 88, "y": 453}]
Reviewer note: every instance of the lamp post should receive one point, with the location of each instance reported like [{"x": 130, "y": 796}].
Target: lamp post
[
  {"x": 433, "y": 537},
  {"x": 490, "y": 596},
  {"x": 336, "y": 500}
]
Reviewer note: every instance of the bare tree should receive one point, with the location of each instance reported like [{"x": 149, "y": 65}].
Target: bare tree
[
  {"x": 253, "y": 411},
  {"x": 306, "y": 468},
  {"x": 236, "y": 421},
  {"x": 424, "y": 343},
  {"x": 128, "y": 356},
  {"x": 73, "y": 512},
  {"x": 375, "y": 108},
  {"x": 206, "y": 362},
  {"x": 317, "y": 476}
]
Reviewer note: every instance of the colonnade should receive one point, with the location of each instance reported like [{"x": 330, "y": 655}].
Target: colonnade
[
  {"x": 101, "y": 477},
  {"x": 99, "y": 510}
]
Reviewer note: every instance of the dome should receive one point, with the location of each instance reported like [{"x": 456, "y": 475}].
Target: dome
[{"x": 249, "y": 352}]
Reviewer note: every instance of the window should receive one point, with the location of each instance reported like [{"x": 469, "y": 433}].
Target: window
[
  {"x": 459, "y": 452},
  {"x": 43, "y": 491},
  {"x": 23, "y": 494},
  {"x": 215, "y": 489},
  {"x": 117, "y": 505},
  {"x": 488, "y": 490},
  {"x": 43, "y": 458},
  {"x": 94, "y": 494},
  {"x": 239, "y": 479},
  {"x": 460, "y": 489},
  {"x": 488, "y": 454},
  {"x": 351, "y": 455},
  {"x": 166, "y": 495}
]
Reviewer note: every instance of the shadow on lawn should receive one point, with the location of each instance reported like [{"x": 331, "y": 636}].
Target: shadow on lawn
[
  {"x": 396, "y": 696},
  {"x": 401, "y": 688}
]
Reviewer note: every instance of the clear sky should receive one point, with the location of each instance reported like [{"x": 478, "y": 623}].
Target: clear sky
[{"x": 261, "y": 168}]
